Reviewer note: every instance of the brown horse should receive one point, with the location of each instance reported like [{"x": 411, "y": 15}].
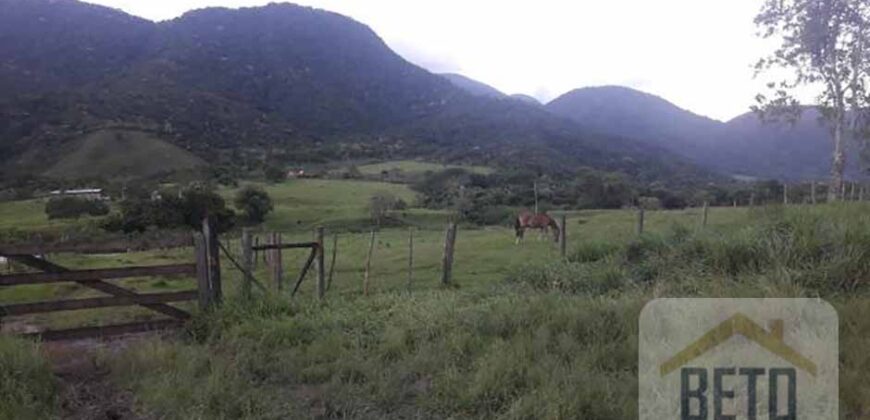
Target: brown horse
[{"x": 541, "y": 221}]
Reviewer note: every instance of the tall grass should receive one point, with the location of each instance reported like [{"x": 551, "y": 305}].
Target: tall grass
[
  {"x": 554, "y": 340},
  {"x": 27, "y": 386}
]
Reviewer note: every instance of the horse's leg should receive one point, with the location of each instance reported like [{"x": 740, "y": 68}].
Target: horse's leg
[{"x": 519, "y": 235}]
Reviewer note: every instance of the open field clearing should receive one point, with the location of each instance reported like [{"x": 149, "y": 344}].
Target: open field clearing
[
  {"x": 414, "y": 167},
  {"x": 520, "y": 335}
]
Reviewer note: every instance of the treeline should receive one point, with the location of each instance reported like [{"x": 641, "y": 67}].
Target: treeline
[{"x": 487, "y": 199}]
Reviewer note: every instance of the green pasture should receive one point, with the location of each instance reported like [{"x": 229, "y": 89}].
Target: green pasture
[
  {"x": 417, "y": 167},
  {"x": 520, "y": 334}
]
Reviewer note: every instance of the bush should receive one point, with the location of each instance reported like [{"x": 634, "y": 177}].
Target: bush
[
  {"x": 382, "y": 203},
  {"x": 254, "y": 202},
  {"x": 73, "y": 208},
  {"x": 172, "y": 211},
  {"x": 274, "y": 173}
]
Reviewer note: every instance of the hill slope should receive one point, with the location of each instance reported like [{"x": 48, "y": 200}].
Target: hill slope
[
  {"x": 281, "y": 81},
  {"x": 742, "y": 146},
  {"x": 472, "y": 86}
]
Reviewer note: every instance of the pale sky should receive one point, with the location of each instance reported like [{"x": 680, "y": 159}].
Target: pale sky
[{"x": 697, "y": 54}]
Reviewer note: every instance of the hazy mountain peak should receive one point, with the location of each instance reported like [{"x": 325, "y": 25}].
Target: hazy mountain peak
[{"x": 472, "y": 86}]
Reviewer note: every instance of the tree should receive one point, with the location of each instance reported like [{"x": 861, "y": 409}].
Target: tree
[
  {"x": 169, "y": 211},
  {"x": 274, "y": 173},
  {"x": 254, "y": 202},
  {"x": 825, "y": 44}
]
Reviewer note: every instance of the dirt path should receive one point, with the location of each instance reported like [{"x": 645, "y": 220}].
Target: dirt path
[{"x": 86, "y": 393}]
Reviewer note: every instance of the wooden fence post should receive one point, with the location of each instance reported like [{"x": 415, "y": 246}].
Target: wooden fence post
[
  {"x": 277, "y": 266},
  {"x": 813, "y": 192},
  {"x": 410, "y": 257},
  {"x": 257, "y": 252},
  {"x": 368, "y": 264},
  {"x": 563, "y": 236},
  {"x": 785, "y": 194},
  {"x": 640, "y": 220},
  {"x": 202, "y": 271},
  {"x": 213, "y": 261},
  {"x": 704, "y": 217},
  {"x": 247, "y": 263},
  {"x": 852, "y": 192},
  {"x": 752, "y": 199},
  {"x": 447, "y": 260},
  {"x": 321, "y": 266},
  {"x": 332, "y": 263}
]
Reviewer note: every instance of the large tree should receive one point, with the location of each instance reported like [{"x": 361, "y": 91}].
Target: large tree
[{"x": 824, "y": 45}]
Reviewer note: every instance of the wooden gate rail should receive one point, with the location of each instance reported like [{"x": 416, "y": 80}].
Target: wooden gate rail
[
  {"x": 285, "y": 246},
  {"x": 98, "y": 284},
  {"x": 97, "y": 302},
  {"x": 109, "y": 246},
  {"x": 96, "y": 274}
]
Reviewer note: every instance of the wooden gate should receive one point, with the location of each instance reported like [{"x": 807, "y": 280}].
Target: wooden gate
[{"x": 206, "y": 269}]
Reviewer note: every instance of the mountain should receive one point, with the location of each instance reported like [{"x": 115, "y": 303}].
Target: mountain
[
  {"x": 282, "y": 82},
  {"x": 744, "y": 146},
  {"x": 782, "y": 150},
  {"x": 531, "y": 100},
  {"x": 472, "y": 86},
  {"x": 630, "y": 113}
]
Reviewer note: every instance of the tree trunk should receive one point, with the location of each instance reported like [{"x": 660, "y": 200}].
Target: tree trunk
[{"x": 839, "y": 163}]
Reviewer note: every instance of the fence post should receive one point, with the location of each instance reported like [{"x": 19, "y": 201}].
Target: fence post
[
  {"x": 861, "y": 193},
  {"x": 368, "y": 264},
  {"x": 256, "y": 253},
  {"x": 447, "y": 261},
  {"x": 563, "y": 238},
  {"x": 704, "y": 218},
  {"x": 852, "y": 192},
  {"x": 332, "y": 263},
  {"x": 247, "y": 263},
  {"x": 785, "y": 194},
  {"x": 813, "y": 192},
  {"x": 277, "y": 267},
  {"x": 321, "y": 267},
  {"x": 640, "y": 220},
  {"x": 410, "y": 257},
  {"x": 213, "y": 259},
  {"x": 202, "y": 271},
  {"x": 752, "y": 199}
]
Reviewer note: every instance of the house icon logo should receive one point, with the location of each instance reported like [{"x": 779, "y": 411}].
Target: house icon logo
[{"x": 715, "y": 359}]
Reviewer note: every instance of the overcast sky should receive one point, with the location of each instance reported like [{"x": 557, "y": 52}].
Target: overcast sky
[{"x": 697, "y": 54}]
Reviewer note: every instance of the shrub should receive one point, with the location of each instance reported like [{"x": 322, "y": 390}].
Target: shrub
[
  {"x": 172, "y": 211},
  {"x": 254, "y": 202},
  {"x": 73, "y": 208},
  {"x": 382, "y": 203}
]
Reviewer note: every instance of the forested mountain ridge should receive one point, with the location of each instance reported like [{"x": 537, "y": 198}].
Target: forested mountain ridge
[
  {"x": 280, "y": 82},
  {"x": 745, "y": 145}
]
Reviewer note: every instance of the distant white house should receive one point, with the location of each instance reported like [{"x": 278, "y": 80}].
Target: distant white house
[
  {"x": 296, "y": 173},
  {"x": 85, "y": 193}
]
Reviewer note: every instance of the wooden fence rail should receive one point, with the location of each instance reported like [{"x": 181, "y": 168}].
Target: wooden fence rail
[{"x": 206, "y": 270}]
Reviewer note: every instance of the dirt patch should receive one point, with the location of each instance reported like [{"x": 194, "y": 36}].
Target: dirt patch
[{"x": 86, "y": 391}]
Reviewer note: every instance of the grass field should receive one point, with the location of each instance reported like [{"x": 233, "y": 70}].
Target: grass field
[
  {"x": 122, "y": 153},
  {"x": 520, "y": 335},
  {"x": 417, "y": 167},
  {"x": 29, "y": 215}
]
